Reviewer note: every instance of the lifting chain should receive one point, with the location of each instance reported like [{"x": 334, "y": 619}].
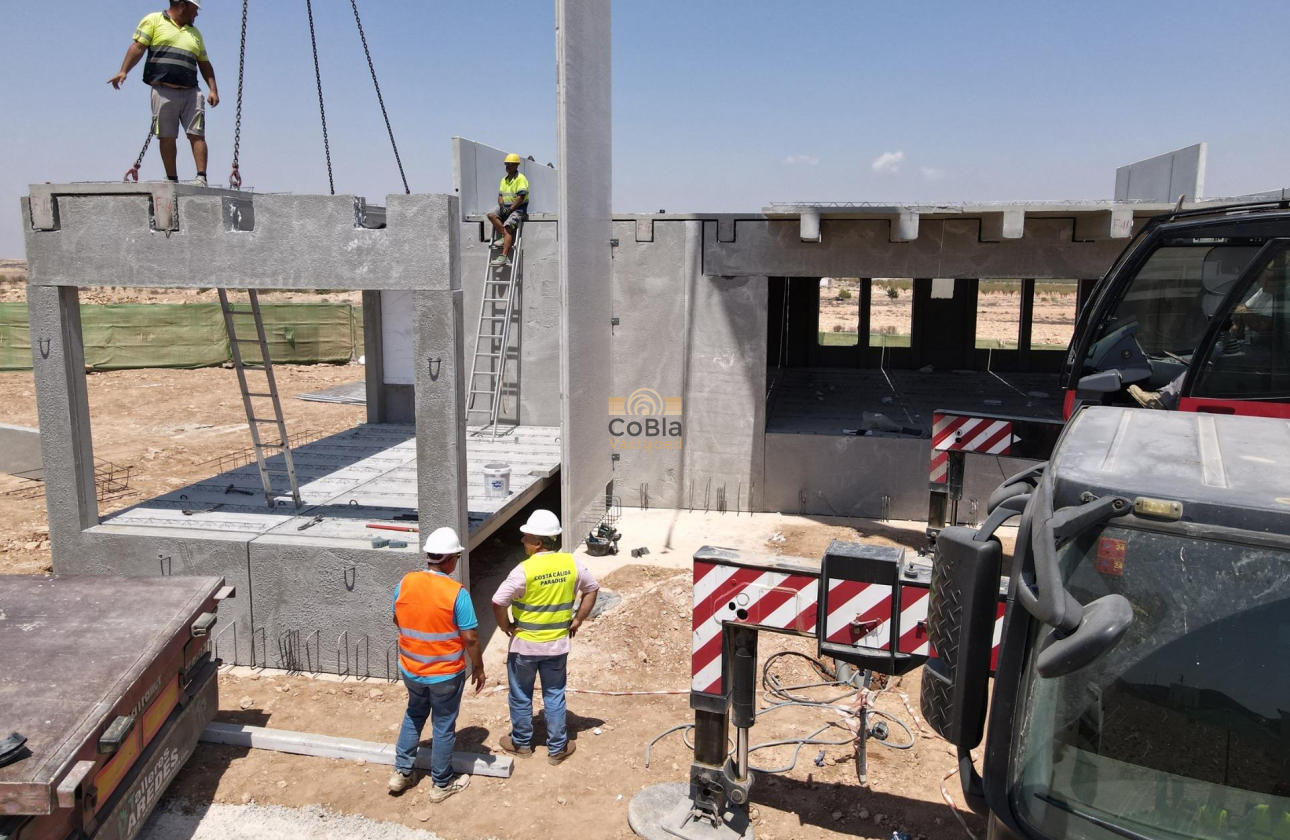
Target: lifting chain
[
  {"x": 235, "y": 177},
  {"x": 379, "y": 98},
  {"x": 322, "y": 109},
  {"x": 132, "y": 174}
]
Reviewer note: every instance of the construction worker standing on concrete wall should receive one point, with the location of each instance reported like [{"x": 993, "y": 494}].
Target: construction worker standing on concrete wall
[
  {"x": 541, "y": 593},
  {"x": 176, "y": 51},
  {"x": 512, "y": 207},
  {"x": 436, "y": 622}
]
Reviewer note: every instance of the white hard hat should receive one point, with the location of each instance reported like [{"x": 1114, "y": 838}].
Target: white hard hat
[
  {"x": 443, "y": 541},
  {"x": 543, "y": 523}
]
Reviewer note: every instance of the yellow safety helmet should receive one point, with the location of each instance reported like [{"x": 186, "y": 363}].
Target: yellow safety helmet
[{"x": 513, "y": 158}]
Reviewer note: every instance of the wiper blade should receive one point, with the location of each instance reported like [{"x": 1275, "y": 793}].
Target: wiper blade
[{"x": 1097, "y": 821}]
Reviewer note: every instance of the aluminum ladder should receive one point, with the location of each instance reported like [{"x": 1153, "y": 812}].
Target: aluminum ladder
[
  {"x": 269, "y": 393},
  {"x": 496, "y": 306}
]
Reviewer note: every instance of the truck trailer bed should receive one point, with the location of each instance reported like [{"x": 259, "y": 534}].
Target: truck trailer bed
[{"x": 82, "y": 658}]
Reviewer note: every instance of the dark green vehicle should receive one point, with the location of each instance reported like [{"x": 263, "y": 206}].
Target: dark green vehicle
[{"x": 1143, "y": 682}]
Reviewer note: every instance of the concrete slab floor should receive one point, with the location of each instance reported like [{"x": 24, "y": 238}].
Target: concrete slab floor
[{"x": 366, "y": 474}]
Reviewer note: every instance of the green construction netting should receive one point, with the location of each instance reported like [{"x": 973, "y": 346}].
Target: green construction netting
[{"x": 192, "y": 335}]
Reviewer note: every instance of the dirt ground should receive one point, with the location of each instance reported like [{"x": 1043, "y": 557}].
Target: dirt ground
[
  {"x": 997, "y": 317},
  {"x": 641, "y": 645},
  {"x": 164, "y": 424}
]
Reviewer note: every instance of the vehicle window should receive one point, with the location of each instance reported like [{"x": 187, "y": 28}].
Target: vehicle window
[
  {"x": 1174, "y": 293},
  {"x": 1252, "y": 357},
  {"x": 1183, "y": 729}
]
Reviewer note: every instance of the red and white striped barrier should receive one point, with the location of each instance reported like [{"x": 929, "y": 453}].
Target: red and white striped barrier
[{"x": 957, "y": 433}]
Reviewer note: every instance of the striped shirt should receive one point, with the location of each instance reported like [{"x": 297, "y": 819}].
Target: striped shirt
[{"x": 173, "y": 51}]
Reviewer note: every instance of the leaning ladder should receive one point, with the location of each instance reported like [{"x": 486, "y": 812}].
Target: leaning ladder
[
  {"x": 270, "y": 393},
  {"x": 495, "y": 308}
]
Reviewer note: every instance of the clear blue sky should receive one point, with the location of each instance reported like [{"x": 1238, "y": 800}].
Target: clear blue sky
[{"x": 719, "y": 105}]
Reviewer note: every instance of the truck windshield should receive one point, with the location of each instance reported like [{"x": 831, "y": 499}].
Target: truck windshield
[
  {"x": 1183, "y": 729},
  {"x": 1174, "y": 293}
]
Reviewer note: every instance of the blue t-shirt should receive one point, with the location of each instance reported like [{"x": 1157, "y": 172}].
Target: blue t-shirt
[{"x": 463, "y": 614}]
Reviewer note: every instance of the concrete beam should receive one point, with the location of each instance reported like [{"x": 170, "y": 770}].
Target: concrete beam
[
  {"x": 584, "y": 135},
  {"x": 244, "y": 241},
  {"x": 1103, "y": 224},
  {"x": 1009, "y": 224}
]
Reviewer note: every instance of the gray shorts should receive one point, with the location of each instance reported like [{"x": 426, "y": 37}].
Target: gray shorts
[
  {"x": 512, "y": 218},
  {"x": 173, "y": 108}
]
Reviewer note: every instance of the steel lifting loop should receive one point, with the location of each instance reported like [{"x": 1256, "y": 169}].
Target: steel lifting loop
[{"x": 235, "y": 178}]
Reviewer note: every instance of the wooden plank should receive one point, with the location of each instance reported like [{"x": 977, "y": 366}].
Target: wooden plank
[{"x": 327, "y": 746}]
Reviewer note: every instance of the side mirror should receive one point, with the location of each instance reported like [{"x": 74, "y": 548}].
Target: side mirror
[
  {"x": 1102, "y": 382},
  {"x": 1101, "y": 627},
  {"x": 960, "y": 627}
]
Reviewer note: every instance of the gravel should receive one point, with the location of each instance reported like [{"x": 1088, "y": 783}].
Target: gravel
[{"x": 185, "y": 821}]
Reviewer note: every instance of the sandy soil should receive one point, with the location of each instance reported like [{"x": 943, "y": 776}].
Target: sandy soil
[
  {"x": 641, "y": 645},
  {"x": 998, "y": 314},
  {"x": 165, "y": 424}
]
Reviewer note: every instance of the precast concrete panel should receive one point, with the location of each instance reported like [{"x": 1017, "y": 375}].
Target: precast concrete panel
[
  {"x": 328, "y": 609},
  {"x": 532, "y": 375},
  {"x": 273, "y": 242},
  {"x": 398, "y": 337},
  {"x": 944, "y": 248},
  {"x": 584, "y": 133},
  {"x": 652, "y": 280},
  {"x": 479, "y": 170},
  {"x": 834, "y": 475},
  {"x": 1167, "y": 177},
  {"x": 725, "y": 394}
]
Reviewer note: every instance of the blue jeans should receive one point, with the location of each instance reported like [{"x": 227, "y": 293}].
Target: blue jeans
[
  {"x": 521, "y": 673},
  {"x": 440, "y": 701}
]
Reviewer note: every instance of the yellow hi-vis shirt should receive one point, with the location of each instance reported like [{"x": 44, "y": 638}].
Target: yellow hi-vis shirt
[
  {"x": 545, "y": 610},
  {"x": 512, "y": 188},
  {"x": 173, "y": 51}
]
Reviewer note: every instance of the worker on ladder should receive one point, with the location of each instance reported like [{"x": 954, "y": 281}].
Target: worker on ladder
[
  {"x": 512, "y": 207},
  {"x": 176, "y": 52}
]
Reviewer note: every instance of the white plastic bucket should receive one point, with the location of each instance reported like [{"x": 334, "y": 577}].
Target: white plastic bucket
[{"x": 497, "y": 481}]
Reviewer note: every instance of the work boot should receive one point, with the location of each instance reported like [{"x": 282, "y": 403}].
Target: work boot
[
  {"x": 500, "y": 261},
  {"x": 1147, "y": 399},
  {"x": 438, "y": 794},
  {"x": 508, "y": 745},
  {"x": 400, "y": 782},
  {"x": 562, "y": 754},
  {"x": 199, "y": 181}
]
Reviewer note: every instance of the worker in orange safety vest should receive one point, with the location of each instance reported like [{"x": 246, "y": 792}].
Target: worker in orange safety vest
[{"x": 436, "y": 622}]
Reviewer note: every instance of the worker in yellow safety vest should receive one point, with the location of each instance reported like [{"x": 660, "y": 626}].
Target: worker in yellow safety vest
[
  {"x": 176, "y": 53},
  {"x": 512, "y": 207},
  {"x": 436, "y": 622},
  {"x": 537, "y": 607}
]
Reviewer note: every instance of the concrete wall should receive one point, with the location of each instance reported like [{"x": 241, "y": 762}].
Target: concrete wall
[
  {"x": 828, "y": 475},
  {"x": 944, "y": 248},
  {"x": 584, "y": 139},
  {"x": 477, "y": 169},
  {"x": 531, "y": 384},
  {"x": 1164, "y": 177}
]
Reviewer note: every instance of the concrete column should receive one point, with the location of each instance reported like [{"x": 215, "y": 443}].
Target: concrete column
[
  {"x": 58, "y": 360},
  {"x": 441, "y": 417},
  {"x": 373, "y": 357}
]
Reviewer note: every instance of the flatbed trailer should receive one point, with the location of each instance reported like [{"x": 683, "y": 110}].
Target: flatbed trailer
[{"x": 111, "y": 682}]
